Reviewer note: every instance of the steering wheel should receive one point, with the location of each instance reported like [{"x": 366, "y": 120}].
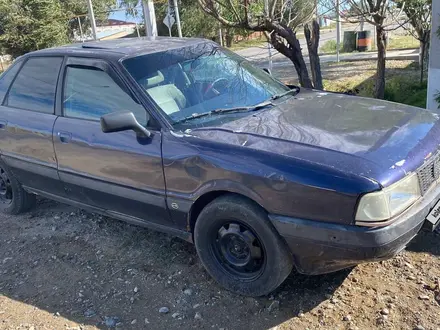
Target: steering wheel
[{"x": 217, "y": 86}]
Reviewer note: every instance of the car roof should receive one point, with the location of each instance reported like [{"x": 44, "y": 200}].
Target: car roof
[{"x": 119, "y": 48}]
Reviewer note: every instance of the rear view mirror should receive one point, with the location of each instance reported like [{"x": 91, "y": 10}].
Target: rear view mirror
[{"x": 122, "y": 121}]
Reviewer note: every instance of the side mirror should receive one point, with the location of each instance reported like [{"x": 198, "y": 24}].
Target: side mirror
[
  {"x": 268, "y": 71},
  {"x": 122, "y": 121}
]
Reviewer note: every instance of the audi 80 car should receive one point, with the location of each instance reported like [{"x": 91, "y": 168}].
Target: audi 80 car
[{"x": 185, "y": 137}]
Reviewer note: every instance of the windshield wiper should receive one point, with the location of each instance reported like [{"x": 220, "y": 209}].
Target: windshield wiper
[
  {"x": 226, "y": 110},
  {"x": 290, "y": 91}
]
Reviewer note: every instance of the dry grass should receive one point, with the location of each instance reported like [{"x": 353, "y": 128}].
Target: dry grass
[{"x": 402, "y": 79}]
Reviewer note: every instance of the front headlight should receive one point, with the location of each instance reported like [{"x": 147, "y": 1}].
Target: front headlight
[{"x": 389, "y": 202}]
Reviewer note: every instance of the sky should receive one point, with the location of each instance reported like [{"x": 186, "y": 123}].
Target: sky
[{"x": 120, "y": 14}]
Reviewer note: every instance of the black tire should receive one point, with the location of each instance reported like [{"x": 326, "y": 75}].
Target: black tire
[
  {"x": 240, "y": 248},
  {"x": 13, "y": 198}
]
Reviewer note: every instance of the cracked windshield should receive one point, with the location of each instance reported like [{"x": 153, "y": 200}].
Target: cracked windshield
[{"x": 192, "y": 82}]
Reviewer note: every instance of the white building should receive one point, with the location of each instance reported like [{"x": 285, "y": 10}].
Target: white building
[
  {"x": 113, "y": 29},
  {"x": 434, "y": 59}
]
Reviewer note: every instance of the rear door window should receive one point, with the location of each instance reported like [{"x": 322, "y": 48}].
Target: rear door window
[
  {"x": 35, "y": 86},
  {"x": 6, "y": 79}
]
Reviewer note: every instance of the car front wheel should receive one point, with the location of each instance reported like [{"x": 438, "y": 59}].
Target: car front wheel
[{"x": 240, "y": 248}]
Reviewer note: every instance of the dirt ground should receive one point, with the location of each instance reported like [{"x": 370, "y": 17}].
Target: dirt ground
[{"x": 63, "y": 268}]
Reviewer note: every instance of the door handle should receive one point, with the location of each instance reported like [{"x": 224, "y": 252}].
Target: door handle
[
  {"x": 3, "y": 124},
  {"x": 64, "y": 137}
]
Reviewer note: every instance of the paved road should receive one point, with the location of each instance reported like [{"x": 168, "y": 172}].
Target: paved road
[
  {"x": 280, "y": 60},
  {"x": 260, "y": 55}
]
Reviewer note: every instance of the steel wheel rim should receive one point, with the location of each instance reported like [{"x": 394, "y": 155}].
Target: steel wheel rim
[
  {"x": 239, "y": 251},
  {"x": 6, "y": 195}
]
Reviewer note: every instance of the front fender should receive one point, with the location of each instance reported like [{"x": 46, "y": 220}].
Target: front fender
[{"x": 282, "y": 185}]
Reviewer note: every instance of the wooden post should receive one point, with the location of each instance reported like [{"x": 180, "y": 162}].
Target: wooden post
[
  {"x": 92, "y": 18},
  {"x": 338, "y": 31}
]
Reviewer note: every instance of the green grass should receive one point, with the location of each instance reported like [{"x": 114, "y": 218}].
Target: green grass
[
  {"x": 260, "y": 42},
  {"x": 329, "y": 47},
  {"x": 402, "y": 42},
  {"x": 395, "y": 42},
  {"x": 397, "y": 89},
  {"x": 406, "y": 91},
  {"x": 402, "y": 81},
  {"x": 332, "y": 26}
]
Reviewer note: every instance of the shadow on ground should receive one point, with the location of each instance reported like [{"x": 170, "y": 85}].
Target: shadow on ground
[
  {"x": 93, "y": 270},
  {"x": 427, "y": 242}
]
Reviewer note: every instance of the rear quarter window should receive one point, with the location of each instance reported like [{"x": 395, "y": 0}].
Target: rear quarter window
[
  {"x": 6, "y": 79},
  {"x": 35, "y": 85}
]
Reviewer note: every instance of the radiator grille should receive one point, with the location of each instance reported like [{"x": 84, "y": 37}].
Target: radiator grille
[{"x": 429, "y": 173}]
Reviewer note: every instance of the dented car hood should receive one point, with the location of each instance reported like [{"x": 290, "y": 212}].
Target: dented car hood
[{"x": 376, "y": 139}]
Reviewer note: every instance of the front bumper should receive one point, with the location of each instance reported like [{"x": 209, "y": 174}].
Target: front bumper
[{"x": 320, "y": 248}]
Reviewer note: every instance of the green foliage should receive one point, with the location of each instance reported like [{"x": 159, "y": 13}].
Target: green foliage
[
  {"x": 28, "y": 25},
  {"x": 131, "y": 8},
  {"x": 329, "y": 47},
  {"x": 406, "y": 91},
  {"x": 73, "y": 8},
  {"x": 195, "y": 22},
  {"x": 401, "y": 90},
  {"x": 419, "y": 14},
  {"x": 402, "y": 84}
]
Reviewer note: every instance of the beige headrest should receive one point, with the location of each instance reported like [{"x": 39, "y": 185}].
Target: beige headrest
[{"x": 153, "y": 80}]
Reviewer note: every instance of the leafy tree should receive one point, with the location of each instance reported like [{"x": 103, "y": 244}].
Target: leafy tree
[
  {"x": 28, "y": 25},
  {"x": 194, "y": 21},
  {"x": 131, "y": 7},
  {"x": 277, "y": 19},
  {"x": 72, "y": 9},
  {"x": 383, "y": 16},
  {"x": 419, "y": 13}
]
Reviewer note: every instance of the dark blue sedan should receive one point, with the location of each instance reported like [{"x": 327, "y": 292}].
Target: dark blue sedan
[{"x": 183, "y": 136}]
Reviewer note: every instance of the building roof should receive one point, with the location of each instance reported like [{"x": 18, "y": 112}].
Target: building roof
[
  {"x": 126, "y": 46},
  {"x": 112, "y": 34},
  {"x": 115, "y": 22}
]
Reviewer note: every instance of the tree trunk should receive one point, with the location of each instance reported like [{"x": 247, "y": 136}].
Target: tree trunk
[
  {"x": 422, "y": 61},
  {"x": 312, "y": 39},
  {"x": 424, "y": 54},
  {"x": 293, "y": 52},
  {"x": 381, "y": 62},
  {"x": 421, "y": 50}
]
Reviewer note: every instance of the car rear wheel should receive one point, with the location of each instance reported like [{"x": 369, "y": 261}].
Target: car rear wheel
[
  {"x": 240, "y": 248},
  {"x": 13, "y": 198}
]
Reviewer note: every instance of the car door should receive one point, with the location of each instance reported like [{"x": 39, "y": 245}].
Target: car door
[
  {"x": 27, "y": 116},
  {"x": 118, "y": 172}
]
